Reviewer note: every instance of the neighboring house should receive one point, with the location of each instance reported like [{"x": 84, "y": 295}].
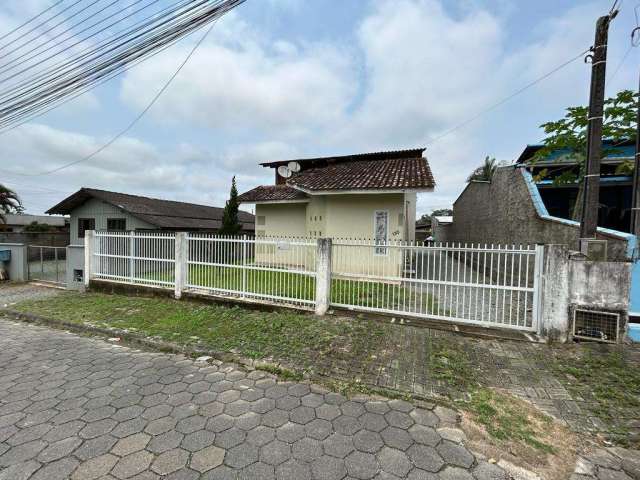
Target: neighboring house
[
  {"x": 423, "y": 229},
  {"x": 440, "y": 220},
  {"x": 364, "y": 196},
  {"x": 510, "y": 210},
  {"x": 92, "y": 209},
  {"x": 559, "y": 198},
  {"x": 17, "y": 223}
]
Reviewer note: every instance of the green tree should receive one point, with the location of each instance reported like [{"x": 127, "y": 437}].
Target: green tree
[
  {"x": 9, "y": 202},
  {"x": 485, "y": 171},
  {"x": 230, "y": 224},
  {"x": 37, "y": 227},
  {"x": 570, "y": 134}
]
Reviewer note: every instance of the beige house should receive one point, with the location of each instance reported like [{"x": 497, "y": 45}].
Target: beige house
[{"x": 370, "y": 196}]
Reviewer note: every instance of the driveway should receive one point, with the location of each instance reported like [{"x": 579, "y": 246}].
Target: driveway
[{"x": 82, "y": 408}]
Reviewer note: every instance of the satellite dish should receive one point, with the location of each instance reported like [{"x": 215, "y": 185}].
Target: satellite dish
[
  {"x": 294, "y": 167},
  {"x": 284, "y": 171}
]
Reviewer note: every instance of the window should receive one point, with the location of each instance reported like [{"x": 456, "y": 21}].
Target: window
[
  {"x": 85, "y": 224},
  {"x": 401, "y": 220},
  {"x": 381, "y": 231},
  {"x": 115, "y": 224},
  {"x": 261, "y": 220},
  {"x": 320, "y": 217}
]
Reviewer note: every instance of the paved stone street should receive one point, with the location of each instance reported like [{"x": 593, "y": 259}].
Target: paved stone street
[{"x": 82, "y": 408}]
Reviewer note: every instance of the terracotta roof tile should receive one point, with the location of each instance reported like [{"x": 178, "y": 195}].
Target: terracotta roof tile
[{"x": 270, "y": 193}]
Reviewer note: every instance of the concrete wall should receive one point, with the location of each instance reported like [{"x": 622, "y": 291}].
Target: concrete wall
[
  {"x": 570, "y": 282},
  {"x": 282, "y": 220},
  {"x": 17, "y": 267},
  {"x": 509, "y": 210},
  {"x": 101, "y": 212},
  {"x": 75, "y": 261}
]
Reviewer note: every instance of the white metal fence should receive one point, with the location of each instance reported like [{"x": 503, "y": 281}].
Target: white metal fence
[
  {"x": 281, "y": 270},
  {"x": 488, "y": 285}
]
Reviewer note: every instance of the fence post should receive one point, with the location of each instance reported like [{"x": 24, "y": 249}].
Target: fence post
[
  {"x": 323, "y": 275},
  {"x": 244, "y": 266},
  {"x": 89, "y": 246},
  {"x": 182, "y": 246},
  {"x": 537, "y": 286},
  {"x": 132, "y": 242}
]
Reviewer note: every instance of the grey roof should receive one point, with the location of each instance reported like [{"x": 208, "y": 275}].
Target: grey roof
[
  {"x": 166, "y": 214},
  {"x": 270, "y": 193}
]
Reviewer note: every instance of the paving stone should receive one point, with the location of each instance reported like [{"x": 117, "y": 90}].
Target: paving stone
[
  {"x": 425, "y": 458},
  {"x": 260, "y": 435},
  {"x": 132, "y": 444},
  {"x": 96, "y": 429},
  {"x": 211, "y": 409},
  {"x": 96, "y": 467},
  {"x": 318, "y": 429},
  {"x": 424, "y": 417},
  {"x": 301, "y": 415},
  {"x": 306, "y": 449},
  {"x": 328, "y": 468},
  {"x": 362, "y": 465},
  {"x": 293, "y": 470},
  {"x": 452, "y": 434},
  {"x": 394, "y": 462},
  {"x": 95, "y": 447},
  {"x": 156, "y": 412},
  {"x": 257, "y": 471},
  {"x": 366, "y": 441},
  {"x": 425, "y": 435},
  {"x": 59, "y": 449},
  {"x": 198, "y": 440},
  {"x": 489, "y": 471},
  {"x": 20, "y": 471},
  {"x": 373, "y": 421},
  {"x": 59, "y": 470},
  {"x": 132, "y": 464},
  {"x": 241, "y": 456},
  {"x": 191, "y": 424},
  {"x": 207, "y": 459},
  {"x": 220, "y": 423},
  {"x": 338, "y": 445},
  {"x": 165, "y": 442},
  {"x": 288, "y": 402},
  {"x": 454, "y": 473},
  {"x": 221, "y": 473},
  {"x": 455, "y": 454},
  {"x": 124, "y": 429},
  {"x": 275, "y": 452},
  {"x": 396, "y": 438},
  {"x": 446, "y": 415},
  {"x": 609, "y": 474},
  {"x": 160, "y": 426},
  {"x": 170, "y": 461},
  {"x": 230, "y": 438},
  {"x": 346, "y": 425},
  {"x": 248, "y": 421}
]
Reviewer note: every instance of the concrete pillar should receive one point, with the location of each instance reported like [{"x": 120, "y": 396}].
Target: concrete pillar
[
  {"x": 181, "y": 266},
  {"x": 17, "y": 267},
  {"x": 554, "y": 299},
  {"x": 323, "y": 275},
  {"x": 89, "y": 246}
]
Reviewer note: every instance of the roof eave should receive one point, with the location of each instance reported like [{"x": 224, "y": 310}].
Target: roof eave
[{"x": 363, "y": 191}]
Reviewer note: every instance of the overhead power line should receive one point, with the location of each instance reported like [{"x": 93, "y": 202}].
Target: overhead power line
[
  {"x": 53, "y": 85},
  {"x": 132, "y": 123},
  {"x": 8, "y": 34},
  {"x": 505, "y": 99}
]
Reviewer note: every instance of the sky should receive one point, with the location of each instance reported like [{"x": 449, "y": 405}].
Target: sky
[{"x": 283, "y": 79}]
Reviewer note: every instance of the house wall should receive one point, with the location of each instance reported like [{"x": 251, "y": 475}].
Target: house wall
[
  {"x": 102, "y": 211},
  {"x": 352, "y": 216},
  {"x": 504, "y": 211}
]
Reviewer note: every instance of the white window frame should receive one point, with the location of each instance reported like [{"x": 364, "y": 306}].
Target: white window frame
[{"x": 380, "y": 251}]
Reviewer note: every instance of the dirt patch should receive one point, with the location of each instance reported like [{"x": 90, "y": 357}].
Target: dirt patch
[{"x": 554, "y": 454}]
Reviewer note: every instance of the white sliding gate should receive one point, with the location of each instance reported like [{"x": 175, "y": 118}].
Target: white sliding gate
[{"x": 487, "y": 285}]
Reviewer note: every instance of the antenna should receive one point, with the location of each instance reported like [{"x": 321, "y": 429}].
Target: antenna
[
  {"x": 284, "y": 171},
  {"x": 294, "y": 167}
]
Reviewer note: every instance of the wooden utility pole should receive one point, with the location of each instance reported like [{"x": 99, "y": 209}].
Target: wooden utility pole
[
  {"x": 635, "y": 202},
  {"x": 591, "y": 199}
]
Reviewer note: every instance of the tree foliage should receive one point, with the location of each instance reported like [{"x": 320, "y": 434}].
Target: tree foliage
[
  {"x": 569, "y": 134},
  {"x": 37, "y": 227},
  {"x": 230, "y": 224},
  {"x": 9, "y": 202},
  {"x": 485, "y": 171},
  {"x": 440, "y": 212}
]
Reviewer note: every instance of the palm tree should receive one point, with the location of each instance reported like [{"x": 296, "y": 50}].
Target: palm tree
[
  {"x": 485, "y": 172},
  {"x": 9, "y": 202}
]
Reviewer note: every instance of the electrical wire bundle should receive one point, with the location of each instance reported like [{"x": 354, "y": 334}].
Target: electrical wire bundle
[{"x": 38, "y": 76}]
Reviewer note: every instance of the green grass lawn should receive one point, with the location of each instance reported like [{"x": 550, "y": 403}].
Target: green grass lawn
[
  {"x": 282, "y": 335},
  {"x": 299, "y": 286}
]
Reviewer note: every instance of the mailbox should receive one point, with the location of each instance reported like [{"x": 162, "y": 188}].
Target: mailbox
[{"x": 5, "y": 255}]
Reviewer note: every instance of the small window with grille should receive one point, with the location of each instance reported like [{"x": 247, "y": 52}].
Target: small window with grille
[
  {"x": 596, "y": 325},
  {"x": 116, "y": 224}
]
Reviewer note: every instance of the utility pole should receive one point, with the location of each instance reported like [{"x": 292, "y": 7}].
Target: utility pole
[
  {"x": 589, "y": 220},
  {"x": 635, "y": 202}
]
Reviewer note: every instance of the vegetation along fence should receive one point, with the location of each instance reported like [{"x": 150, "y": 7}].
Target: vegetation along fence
[{"x": 488, "y": 285}]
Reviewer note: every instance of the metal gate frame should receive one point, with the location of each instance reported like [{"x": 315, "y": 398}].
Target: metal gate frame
[{"x": 44, "y": 275}]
